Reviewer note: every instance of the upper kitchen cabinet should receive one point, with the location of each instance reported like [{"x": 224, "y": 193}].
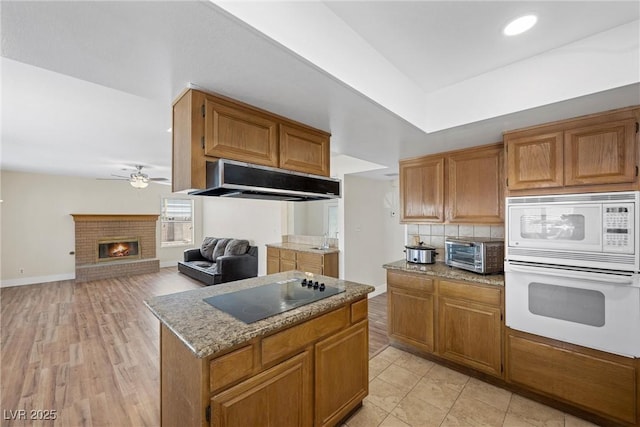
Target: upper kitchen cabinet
[
  {"x": 476, "y": 190},
  {"x": 587, "y": 154},
  {"x": 463, "y": 186},
  {"x": 304, "y": 150},
  {"x": 422, "y": 189},
  {"x": 207, "y": 127}
]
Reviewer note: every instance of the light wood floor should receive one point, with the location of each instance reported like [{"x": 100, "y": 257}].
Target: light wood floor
[{"x": 89, "y": 351}]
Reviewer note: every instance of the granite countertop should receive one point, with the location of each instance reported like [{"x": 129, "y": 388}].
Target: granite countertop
[
  {"x": 440, "y": 269},
  {"x": 302, "y": 247},
  {"x": 205, "y": 330}
]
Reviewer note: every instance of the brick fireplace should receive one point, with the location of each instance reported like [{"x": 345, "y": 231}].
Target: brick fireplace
[{"x": 109, "y": 246}]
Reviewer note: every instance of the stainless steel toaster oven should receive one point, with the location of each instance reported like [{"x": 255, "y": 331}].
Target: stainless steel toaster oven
[{"x": 480, "y": 255}]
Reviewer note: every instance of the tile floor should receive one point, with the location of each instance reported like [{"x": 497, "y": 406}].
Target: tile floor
[{"x": 406, "y": 390}]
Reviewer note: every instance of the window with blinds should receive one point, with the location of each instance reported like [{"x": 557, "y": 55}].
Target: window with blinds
[{"x": 177, "y": 222}]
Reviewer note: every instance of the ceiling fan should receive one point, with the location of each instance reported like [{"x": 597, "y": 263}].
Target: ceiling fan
[{"x": 138, "y": 179}]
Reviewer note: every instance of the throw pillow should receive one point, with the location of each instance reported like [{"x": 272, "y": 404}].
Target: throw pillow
[
  {"x": 219, "y": 249},
  {"x": 237, "y": 247},
  {"x": 208, "y": 245}
]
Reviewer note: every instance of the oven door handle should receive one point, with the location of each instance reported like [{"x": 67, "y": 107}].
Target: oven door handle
[{"x": 572, "y": 274}]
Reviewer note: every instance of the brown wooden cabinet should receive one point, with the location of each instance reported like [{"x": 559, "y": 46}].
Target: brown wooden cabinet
[
  {"x": 314, "y": 372},
  {"x": 339, "y": 385},
  {"x": 422, "y": 189},
  {"x": 208, "y": 126},
  {"x": 280, "y": 396},
  {"x": 410, "y": 310},
  {"x": 598, "y": 382},
  {"x": 304, "y": 150},
  {"x": 598, "y": 152},
  {"x": 463, "y": 186},
  {"x": 280, "y": 260},
  {"x": 470, "y": 325}
]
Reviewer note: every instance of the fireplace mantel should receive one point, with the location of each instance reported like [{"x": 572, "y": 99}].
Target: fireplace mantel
[{"x": 115, "y": 217}]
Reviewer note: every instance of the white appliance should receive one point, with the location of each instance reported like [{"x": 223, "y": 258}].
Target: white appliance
[
  {"x": 597, "y": 230},
  {"x": 599, "y": 310},
  {"x": 571, "y": 269}
]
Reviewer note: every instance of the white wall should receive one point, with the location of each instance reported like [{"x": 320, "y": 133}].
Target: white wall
[
  {"x": 373, "y": 236},
  {"x": 37, "y": 230},
  {"x": 259, "y": 221}
]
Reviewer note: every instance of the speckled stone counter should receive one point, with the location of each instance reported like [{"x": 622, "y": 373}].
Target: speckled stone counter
[
  {"x": 301, "y": 247},
  {"x": 440, "y": 269},
  {"x": 206, "y": 330}
]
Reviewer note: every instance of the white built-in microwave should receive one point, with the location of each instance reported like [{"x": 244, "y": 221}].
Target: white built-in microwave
[{"x": 595, "y": 230}]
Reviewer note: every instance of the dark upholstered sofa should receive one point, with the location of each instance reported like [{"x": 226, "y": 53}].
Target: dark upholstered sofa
[{"x": 220, "y": 260}]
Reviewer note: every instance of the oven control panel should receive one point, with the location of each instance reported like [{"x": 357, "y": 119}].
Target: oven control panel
[{"x": 618, "y": 228}]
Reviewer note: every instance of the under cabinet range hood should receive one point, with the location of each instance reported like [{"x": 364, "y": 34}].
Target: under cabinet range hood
[{"x": 229, "y": 178}]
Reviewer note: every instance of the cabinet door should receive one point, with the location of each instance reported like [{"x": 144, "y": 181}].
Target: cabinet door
[
  {"x": 422, "y": 190},
  {"x": 535, "y": 161},
  {"x": 308, "y": 262},
  {"x": 273, "y": 260},
  {"x": 280, "y": 396},
  {"x": 470, "y": 334},
  {"x": 601, "y": 154},
  {"x": 287, "y": 260},
  {"x": 410, "y": 317},
  {"x": 476, "y": 186},
  {"x": 238, "y": 134},
  {"x": 304, "y": 151},
  {"x": 342, "y": 373},
  {"x": 597, "y": 381}
]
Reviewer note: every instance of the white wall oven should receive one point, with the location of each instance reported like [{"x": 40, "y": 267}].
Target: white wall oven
[{"x": 571, "y": 270}]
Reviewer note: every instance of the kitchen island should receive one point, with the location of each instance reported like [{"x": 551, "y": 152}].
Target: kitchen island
[{"x": 305, "y": 366}]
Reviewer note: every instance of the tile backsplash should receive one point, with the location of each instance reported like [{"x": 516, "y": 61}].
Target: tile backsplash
[{"x": 434, "y": 234}]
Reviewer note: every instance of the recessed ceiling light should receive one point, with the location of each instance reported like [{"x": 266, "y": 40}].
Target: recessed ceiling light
[{"x": 520, "y": 25}]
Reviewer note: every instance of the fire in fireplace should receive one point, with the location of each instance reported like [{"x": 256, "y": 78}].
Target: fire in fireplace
[{"x": 118, "y": 249}]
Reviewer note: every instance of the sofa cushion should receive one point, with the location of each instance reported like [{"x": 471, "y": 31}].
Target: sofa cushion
[
  {"x": 219, "y": 249},
  {"x": 208, "y": 245},
  {"x": 203, "y": 264},
  {"x": 236, "y": 247}
]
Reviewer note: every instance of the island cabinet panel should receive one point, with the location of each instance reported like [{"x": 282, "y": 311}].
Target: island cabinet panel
[
  {"x": 342, "y": 374},
  {"x": 410, "y": 306},
  {"x": 238, "y": 133},
  {"x": 280, "y": 396},
  {"x": 287, "y": 342},
  {"x": 591, "y": 153},
  {"x": 422, "y": 189},
  {"x": 232, "y": 367},
  {"x": 476, "y": 186},
  {"x": 600, "y": 382},
  {"x": 303, "y": 150}
]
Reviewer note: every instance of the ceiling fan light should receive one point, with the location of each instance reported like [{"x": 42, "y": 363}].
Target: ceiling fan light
[
  {"x": 138, "y": 182},
  {"x": 520, "y": 25}
]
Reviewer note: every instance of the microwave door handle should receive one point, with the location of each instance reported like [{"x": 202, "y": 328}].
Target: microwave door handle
[
  {"x": 469, "y": 245},
  {"x": 572, "y": 274}
]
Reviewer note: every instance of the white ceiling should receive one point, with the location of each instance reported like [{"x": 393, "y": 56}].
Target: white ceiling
[{"x": 87, "y": 87}]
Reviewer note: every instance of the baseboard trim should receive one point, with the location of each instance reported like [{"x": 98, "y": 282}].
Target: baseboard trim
[{"x": 37, "y": 279}]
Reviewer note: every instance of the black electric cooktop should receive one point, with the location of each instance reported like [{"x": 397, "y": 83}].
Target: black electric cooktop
[{"x": 253, "y": 304}]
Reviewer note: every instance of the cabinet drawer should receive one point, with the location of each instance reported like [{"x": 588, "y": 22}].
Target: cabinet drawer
[
  {"x": 287, "y": 254},
  {"x": 296, "y": 338},
  {"x": 309, "y": 258},
  {"x": 409, "y": 281},
  {"x": 273, "y": 252},
  {"x": 230, "y": 368},
  {"x": 485, "y": 295},
  {"x": 359, "y": 310}
]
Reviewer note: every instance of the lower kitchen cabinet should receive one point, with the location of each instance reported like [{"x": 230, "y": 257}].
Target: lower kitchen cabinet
[
  {"x": 340, "y": 385},
  {"x": 470, "y": 325},
  {"x": 599, "y": 382},
  {"x": 280, "y": 260},
  {"x": 280, "y": 396},
  {"x": 410, "y": 307}
]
